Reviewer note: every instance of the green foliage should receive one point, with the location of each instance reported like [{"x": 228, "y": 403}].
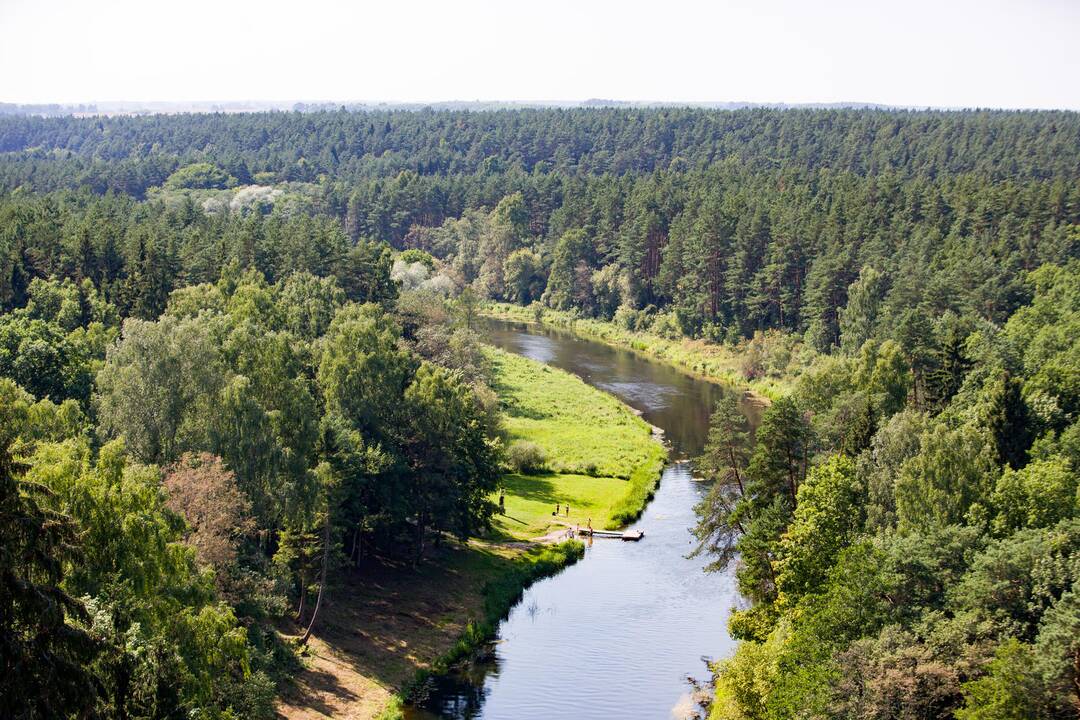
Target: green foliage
[
  {"x": 363, "y": 372},
  {"x": 826, "y": 519},
  {"x": 568, "y": 285},
  {"x": 1015, "y": 579},
  {"x": 1038, "y": 495},
  {"x": 781, "y": 454},
  {"x": 414, "y": 255},
  {"x": 179, "y": 586},
  {"x": 1057, "y": 649},
  {"x": 1046, "y": 336},
  {"x": 1009, "y": 690},
  {"x": 1004, "y": 413},
  {"x": 157, "y": 387},
  {"x": 168, "y": 645},
  {"x": 453, "y": 458},
  {"x": 723, "y": 463},
  {"x": 310, "y": 304},
  {"x": 200, "y": 176},
  {"x": 884, "y": 372},
  {"x": 364, "y": 273},
  {"x": 949, "y": 476},
  {"x": 858, "y": 317},
  {"x": 963, "y": 601},
  {"x": 526, "y": 457},
  {"x": 45, "y": 649},
  {"x": 523, "y": 275}
]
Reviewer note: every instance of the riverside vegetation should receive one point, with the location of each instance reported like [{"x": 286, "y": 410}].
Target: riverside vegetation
[
  {"x": 766, "y": 363},
  {"x": 231, "y": 378}
]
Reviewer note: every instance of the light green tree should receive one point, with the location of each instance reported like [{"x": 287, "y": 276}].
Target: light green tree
[
  {"x": 158, "y": 387},
  {"x": 859, "y": 317},
  {"x": 950, "y": 476}
]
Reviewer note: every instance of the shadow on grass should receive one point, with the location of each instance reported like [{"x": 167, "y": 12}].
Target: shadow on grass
[
  {"x": 387, "y": 620},
  {"x": 537, "y": 488},
  {"x": 511, "y": 405},
  {"x": 515, "y": 409},
  {"x": 320, "y": 691}
]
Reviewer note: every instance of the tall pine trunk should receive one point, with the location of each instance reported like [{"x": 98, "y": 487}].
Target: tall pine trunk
[
  {"x": 322, "y": 581},
  {"x": 303, "y": 599}
]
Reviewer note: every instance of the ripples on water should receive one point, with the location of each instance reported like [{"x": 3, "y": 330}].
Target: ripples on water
[{"x": 618, "y": 634}]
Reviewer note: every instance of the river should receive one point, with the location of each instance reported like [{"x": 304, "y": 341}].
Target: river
[{"x": 621, "y": 633}]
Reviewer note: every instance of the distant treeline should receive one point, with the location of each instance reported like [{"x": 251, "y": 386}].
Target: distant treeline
[{"x": 49, "y": 153}]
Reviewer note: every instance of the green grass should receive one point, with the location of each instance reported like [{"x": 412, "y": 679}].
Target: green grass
[
  {"x": 703, "y": 359},
  {"x": 603, "y": 458},
  {"x": 530, "y": 500}
]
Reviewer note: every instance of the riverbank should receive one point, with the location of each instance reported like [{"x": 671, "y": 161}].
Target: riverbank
[
  {"x": 388, "y": 626},
  {"x": 768, "y": 360}
]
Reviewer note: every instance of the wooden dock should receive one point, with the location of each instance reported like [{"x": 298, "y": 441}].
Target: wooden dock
[{"x": 627, "y": 535}]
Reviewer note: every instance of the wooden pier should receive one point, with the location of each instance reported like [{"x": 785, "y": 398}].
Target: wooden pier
[{"x": 627, "y": 535}]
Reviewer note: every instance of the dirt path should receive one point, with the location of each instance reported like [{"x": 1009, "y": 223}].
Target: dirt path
[{"x": 558, "y": 535}]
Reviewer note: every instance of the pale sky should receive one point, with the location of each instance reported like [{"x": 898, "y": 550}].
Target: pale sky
[{"x": 987, "y": 53}]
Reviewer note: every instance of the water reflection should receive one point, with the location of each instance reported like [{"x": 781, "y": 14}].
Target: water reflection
[
  {"x": 618, "y": 634},
  {"x": 669, "y": 399}
]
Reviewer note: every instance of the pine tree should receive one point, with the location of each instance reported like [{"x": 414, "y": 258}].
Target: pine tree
[{"x": 45, "y": 654}]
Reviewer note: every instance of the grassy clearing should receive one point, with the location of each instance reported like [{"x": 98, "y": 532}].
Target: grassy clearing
[
  {"x": 530, "y": 500},
  {"x": 583, "y": 430},
  {"x": 697, "y": 357},
  {"x": 602, "y": 457}
]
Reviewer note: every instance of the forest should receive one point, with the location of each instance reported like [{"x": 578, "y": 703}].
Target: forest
[{"x": 237, "y": 354}]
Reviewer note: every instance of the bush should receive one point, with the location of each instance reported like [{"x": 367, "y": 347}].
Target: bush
[
  {"x": 200, "y": 176},
  {"x": 526, "y": 457},
  {"x": 626, "y": 317},
  {"x": 412, "y": 255}
]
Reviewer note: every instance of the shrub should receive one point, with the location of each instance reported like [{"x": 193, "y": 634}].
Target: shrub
[
  {"x": 412, "y": 255},
  {"x": 200, "y": 176},
  {"x": 526, "y": 457},
  {"x": 626, "y": 317}
]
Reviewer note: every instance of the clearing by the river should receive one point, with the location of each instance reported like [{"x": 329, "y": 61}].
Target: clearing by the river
[{"x": 387, "y": 620}]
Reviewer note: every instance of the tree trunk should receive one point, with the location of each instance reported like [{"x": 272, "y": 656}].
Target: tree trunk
[
  {"x": 303, "y": 599},
  {"x": 792, "y": 487},
  {"x": 735, "y": 470},
  {"x": 354, "y": 555},
  {"x": 419, "y": 537},
  {"x": 322, "y": 582}
]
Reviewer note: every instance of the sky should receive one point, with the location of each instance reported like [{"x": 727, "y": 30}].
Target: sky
[{"x": 942, "y": 53}]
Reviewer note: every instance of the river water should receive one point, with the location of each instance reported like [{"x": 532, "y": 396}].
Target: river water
[{"x": 621, "y": 633}]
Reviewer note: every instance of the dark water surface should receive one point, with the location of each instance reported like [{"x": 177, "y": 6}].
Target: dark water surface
[{"x": 618, "y": 634}]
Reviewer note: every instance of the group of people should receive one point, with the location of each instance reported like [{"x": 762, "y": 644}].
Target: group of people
[{"x": 559, "y": 512}]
